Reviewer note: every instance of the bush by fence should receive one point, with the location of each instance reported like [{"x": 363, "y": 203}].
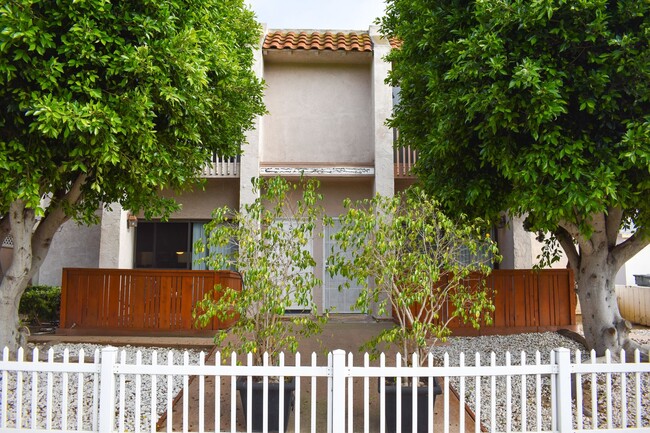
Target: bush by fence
[{"x": 41, "y": 304}]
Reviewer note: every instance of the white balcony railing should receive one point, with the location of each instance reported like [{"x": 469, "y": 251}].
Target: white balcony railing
[
  {"x": 404, "y": 159},
  {"x": 222, "y": 167}
]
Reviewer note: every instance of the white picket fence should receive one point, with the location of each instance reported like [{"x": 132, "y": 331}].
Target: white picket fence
[{"x": 109, "y": 393}]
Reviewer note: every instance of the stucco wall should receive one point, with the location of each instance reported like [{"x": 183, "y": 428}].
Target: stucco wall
[
  {"x": 519, "y": 247},
  {"x": 318, "y": 113},
  {"x": 199, "y": 204},
  {"x": 73, "y": 246},
  {"x": 637, "y": 265},
  {"x": 117, "y": 239}
]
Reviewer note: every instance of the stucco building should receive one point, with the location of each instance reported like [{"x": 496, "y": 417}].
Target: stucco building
[{"x": 327, "y": 103}]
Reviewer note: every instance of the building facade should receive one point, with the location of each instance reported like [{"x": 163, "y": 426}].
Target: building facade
[{"x": 327, "y": 102}]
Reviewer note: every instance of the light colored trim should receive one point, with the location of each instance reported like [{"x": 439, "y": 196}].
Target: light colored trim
[{"x": 317, "y": 171}]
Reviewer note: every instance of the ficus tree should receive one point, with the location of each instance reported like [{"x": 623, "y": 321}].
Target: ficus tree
[
  {"x": 108, "y": 102},
  {"x": 540, "y": 108},
  {"x": 412, "y": 260},
  {"x": 269, "y": 242}
]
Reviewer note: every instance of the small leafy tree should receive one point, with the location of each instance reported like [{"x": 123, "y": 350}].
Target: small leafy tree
[
  {"x": 409, "y": 257},
  {"x": 271, "y": 238}
]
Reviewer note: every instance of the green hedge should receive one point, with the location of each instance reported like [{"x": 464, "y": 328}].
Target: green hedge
[{"x": 41, "y": 304}]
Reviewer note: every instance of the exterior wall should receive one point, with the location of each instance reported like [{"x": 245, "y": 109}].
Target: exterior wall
[
  {"x": 250, "y": 160},
  {"x": 403, "y": 184},
  {"x": 536, "y": 250},
  {"x": 382, "y": 107},
  {"x": 519, "y": 247},
  {"x": 73, "y": 246},
  {"x": 637, "y": 265},
  {"x": 6, "y": 256},
  {"x": 199, "y": 204},
  {"x": 117, "y": 239},
  {"x": 515, "y": 245},
  {"x": 318, "y": 114}
]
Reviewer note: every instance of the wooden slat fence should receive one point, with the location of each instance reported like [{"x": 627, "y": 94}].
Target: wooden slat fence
[
  {"x": 137, "y": 300},
  {"x": 128, "y": 300},
  {"x": 525, "y": 300},
  {"x": 634, "y": 303}
]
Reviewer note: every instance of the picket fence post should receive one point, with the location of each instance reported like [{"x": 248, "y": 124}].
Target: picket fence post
[
  {"x": 107, "y": 389},
  {"x": 337, "y": 393},
  {"x": 563, "y": 390}
]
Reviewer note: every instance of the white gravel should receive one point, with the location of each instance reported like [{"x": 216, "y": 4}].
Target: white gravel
[
  {"x": 510, "y": 416},
  {"x": 89, "y": 385}
]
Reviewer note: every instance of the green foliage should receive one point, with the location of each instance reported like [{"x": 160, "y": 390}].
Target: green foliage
[
  {"x": 128, "y": 97},
  {"x": 541, "y": 107},
  {"x": 272, "y": 238},
  {"x": 407, "y": 255},
  {"x": 41, "y": 304}
]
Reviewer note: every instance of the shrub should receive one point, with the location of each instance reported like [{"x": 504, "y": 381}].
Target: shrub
[{"x": 41, "y": 304}]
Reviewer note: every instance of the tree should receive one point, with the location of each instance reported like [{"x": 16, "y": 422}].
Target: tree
[
  {"x": 268, "y": 243},
  {"x": 541, "y": 108},
  {"x": 108, "y": 102},
  {"x": 407, "y": 255}
]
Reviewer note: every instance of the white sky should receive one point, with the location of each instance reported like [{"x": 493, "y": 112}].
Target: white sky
[{"x": 317, "y": 14}]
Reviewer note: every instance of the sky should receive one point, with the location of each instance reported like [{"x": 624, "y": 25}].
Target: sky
[{"x": 317, "y": 14}]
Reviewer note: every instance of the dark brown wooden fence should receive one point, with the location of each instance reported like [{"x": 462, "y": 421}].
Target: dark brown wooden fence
[
  {"x": 526, "y": 301},
  {"x": 113, "y": 301},
  {"x": 130, "y": 300}
]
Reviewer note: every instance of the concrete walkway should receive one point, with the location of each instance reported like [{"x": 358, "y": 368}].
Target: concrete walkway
[{"x": 346, "y": 333}]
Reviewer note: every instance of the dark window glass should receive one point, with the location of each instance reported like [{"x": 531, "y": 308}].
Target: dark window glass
[
  {"x": 144, "y": 245},
  {"x": 163, "y": 245}
]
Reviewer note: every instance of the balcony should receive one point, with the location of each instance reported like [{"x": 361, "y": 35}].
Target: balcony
[
  {"x": 404, "y": 159},
  {"x": 222, "y": 167}
]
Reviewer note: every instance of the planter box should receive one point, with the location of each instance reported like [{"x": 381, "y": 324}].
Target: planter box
[
  {"x": 257, "y": 403},
  {"x": 406, "y": 415}
]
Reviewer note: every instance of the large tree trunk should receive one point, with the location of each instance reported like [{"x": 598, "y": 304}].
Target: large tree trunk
[
  {"x": 17, "y": 277},
  {"x": 32, "y": 242},
  {"x": 603, "y": 326},
  {"x": 10, "y": 326},
  {"x": 595, "y": 262}
]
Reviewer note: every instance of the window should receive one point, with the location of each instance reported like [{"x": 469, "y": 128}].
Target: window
[{"x": 162, "y": 245}]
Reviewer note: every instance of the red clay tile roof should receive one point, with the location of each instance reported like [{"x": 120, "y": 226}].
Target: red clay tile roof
[{"x": 348, "y": 41}]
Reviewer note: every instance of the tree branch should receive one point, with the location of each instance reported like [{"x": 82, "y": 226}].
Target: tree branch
[
  {"x": 599, "y": 238},
  {"x": 42, "y": 238},
  {"x": 569, "y": 247},
  {"x": 573, "y": 231},
  {"x": 613, "y": 224},
  {"x": 628, "y": 249}
]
